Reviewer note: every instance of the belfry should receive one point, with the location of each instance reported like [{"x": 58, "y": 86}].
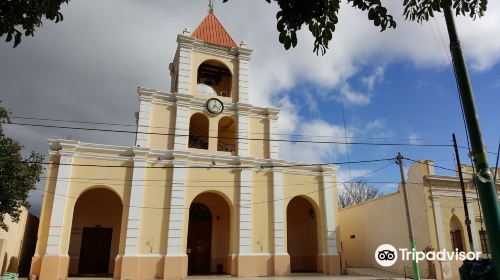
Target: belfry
[{"x": 202, "y": 191}]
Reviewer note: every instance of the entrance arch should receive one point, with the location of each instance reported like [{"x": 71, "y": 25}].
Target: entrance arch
[
  {"x": 302, "y": 235},
  {"x": 95, "y": 233},
  {"x": 208, "y": 235}
]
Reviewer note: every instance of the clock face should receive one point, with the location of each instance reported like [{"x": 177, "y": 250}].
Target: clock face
[{"x": 215, "y": 106}]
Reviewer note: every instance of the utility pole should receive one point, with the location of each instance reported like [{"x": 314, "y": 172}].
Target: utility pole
[
  {"x": 413, "y": 245},
  {"x": 484, "y": 178},
  {"x": 464, "y": 200}
]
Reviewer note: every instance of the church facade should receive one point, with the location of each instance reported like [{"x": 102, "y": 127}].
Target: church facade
[{"x": 202, "y": 191}]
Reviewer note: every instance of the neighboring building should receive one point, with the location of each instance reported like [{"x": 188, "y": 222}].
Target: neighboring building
[
  {"x": 202, "y": 192},
  {"x": 13, "y": 243},
  {"x": 438, "y": 220}
]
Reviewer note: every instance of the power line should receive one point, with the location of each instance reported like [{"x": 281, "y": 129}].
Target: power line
[
  {"x": 232, "y": 138},
  {"x": 263, "y": 166},
  {"x": 173, "y": 129}
]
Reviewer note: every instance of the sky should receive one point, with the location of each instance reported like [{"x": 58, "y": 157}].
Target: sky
[{"x": 395, "y": 86}]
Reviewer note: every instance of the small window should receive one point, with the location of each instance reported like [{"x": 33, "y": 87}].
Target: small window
[
  {"x": 456, "y": 240},
  {"x": 485, "y": 246}
]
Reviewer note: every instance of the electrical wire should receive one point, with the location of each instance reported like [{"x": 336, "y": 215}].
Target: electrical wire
[{"x": 232, "y": 138}]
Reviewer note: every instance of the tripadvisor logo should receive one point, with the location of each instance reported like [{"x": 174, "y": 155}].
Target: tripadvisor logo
[{"x": 387, "y": 255}]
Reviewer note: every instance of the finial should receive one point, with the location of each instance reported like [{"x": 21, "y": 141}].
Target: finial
[
  {"x": 243, "y": 44},
  {"x": 186, "y": 32},
  {"x": 210, "y": 6}
]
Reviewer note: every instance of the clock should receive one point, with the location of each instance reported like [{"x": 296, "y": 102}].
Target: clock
[{"x": 215, "y": 106}]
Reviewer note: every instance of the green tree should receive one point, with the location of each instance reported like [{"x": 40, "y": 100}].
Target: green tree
[
  {"x": 18, "y": 175},
  {"x": 23, "y": 16},
  {"x": 321, "y": 16}
]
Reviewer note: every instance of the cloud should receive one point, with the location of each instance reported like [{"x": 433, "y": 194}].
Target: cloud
[
  {"x": 376, "y": 77},
  {"x": 352, "y": 97},
  {"x": 413, "y": 139},
  {"x": 315, "y": 130}
]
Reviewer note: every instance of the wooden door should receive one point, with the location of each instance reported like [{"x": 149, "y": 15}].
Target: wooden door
[
  {"x": 94, "y": 251},
  {"x": 199, "y": 239}
]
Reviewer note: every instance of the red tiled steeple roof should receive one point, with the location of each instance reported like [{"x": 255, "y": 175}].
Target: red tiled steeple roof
[{"x": 211, "y": 31}]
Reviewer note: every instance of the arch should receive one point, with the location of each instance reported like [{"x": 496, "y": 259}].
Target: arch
[
  {"x": 456, "y": 234},
  {"x": 226, "y": 140},
  {"x": 214, "y": 77},
  {"x": 198, "y": 131},
  {"x": 302, "y": 234},
  {"x": 208, "y": 234},
  {"x": 95, "y": 232}
]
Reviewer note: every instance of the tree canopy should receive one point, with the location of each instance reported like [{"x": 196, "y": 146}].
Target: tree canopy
[
  {"x": 24, "y": 16},
  {"x": 18, "y": 175},
  {"x": 321, "y": 16}
]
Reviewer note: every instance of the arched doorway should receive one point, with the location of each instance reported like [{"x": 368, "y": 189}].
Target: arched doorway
[
  {"x": 302, "y": 237},
  {"x": 208, "y": 235},
  {"x": 95, "y": 233}
]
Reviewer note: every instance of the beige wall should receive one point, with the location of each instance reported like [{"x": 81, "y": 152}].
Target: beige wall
[
  {"x": 370, "y": 224},
  {"x": 12, "y": 240}
]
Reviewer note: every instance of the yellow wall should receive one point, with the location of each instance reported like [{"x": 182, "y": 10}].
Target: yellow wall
[
  {"x": 258, "y": 129},
  {"x": 155, "y": 211},
  {"x": 162, "y": 126}
]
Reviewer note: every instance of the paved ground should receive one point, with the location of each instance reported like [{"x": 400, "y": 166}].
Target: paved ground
[{"x": 298, "y": 276}]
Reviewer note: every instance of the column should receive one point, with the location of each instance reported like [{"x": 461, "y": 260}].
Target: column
[
  {"x": 176, "y": 258},
  {"x": 281, "y": 257},
  {"x": 143, "y": 122},
  {"x": 55, "y": 262},
  {"x": 243, "y": 147},
  {"x": 245, "y": 212},
  {"x": 54, "y": 241},
  {"x": 331, "y": 237},
  {"x": 331, "y": 262},
  {"x": 273, "y": 130},
  {"x": 181, "y": 125},
  {"x": 476, "y": 241},
  {"x": 134, "y": 212},
  {"x": 130, "y": 261},
  {"x": 445, "y": 268},
  {"x": 243, "y": 70},
  {"x": 185, "y": 43}
]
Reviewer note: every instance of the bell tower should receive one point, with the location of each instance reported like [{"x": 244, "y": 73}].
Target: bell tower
[
  {"x": 208, "y": 61},
  {"x": 209, "y": 68}
]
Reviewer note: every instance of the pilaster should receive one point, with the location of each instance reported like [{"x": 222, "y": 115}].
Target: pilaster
[
  {"x": 181, "y": 124},
  {"x": 54, "y": 241},
  {"x": 143, "y": 122},
  {"x": 475, "y": 234},
  {"x": 331, "y": 235},
  {"x": 185, "y": 43},
  {"x": 245, "y": 212},
  {"x": 136, "y": 195},
  {"x": 243, "y": 146},
  {"x": 273, "y": 136},
  {"x": 244, "y": 77}
]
